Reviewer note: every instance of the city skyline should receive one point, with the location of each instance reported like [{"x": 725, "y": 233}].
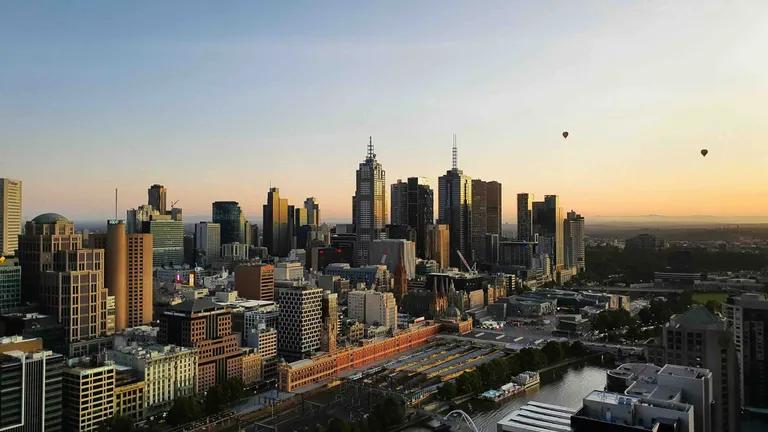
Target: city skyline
[{"x": 628, "y": 83}]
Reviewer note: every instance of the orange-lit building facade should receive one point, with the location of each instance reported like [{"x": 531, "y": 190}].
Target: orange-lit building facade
[{"x": 328, "y": 366}]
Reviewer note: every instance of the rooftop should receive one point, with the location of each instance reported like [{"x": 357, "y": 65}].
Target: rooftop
[
  {"x": 49, "y": 218},
  {"x": 538, "y": 417},
  {"x": 196, "y": 305}
]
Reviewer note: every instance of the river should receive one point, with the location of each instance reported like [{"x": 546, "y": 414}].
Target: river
[{"x": 576, "y": 382}]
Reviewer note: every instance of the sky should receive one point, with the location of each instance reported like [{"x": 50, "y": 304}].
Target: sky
[{"x": 220, "y": 100}]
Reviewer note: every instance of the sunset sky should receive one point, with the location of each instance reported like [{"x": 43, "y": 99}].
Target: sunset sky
[{"x": 218, "y": 100}]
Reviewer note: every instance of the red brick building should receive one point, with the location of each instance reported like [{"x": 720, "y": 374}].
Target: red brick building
[{"x": 207, "y": 327}]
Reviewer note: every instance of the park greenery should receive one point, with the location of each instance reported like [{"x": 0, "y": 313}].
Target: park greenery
[
  {"x": 500, "y": 371},
  {"x": 617, "y": 324},
  {"x": 187, "y": 409},
  {"x": 638, "y": 265}
]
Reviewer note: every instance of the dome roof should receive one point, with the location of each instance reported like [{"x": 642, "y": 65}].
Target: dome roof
[{"x": 49, "y": 218}]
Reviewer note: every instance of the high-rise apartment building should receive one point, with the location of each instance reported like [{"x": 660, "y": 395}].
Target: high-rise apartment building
[
  {"x": 548, "y": 225},
  {"x": 373, "y": 308},
  {"x": 156, "y": 197},
  {"x": 10, "y": 215},
  {"x": 369, "y": 204},
  {"x": 455, "y": 210},
  {"x": 486, "y": 218},
  {"x": 207, "y": 327},
  {"x": 299, "y": 325},
  {"x": 30, "y": 385},
  {"x": 573, "y": 234},
  {"x": 438, "y": 246},
  {"x": 73, "y": 291},
  {"x": 747, "y": 317},
  {"x": 208, "y": 240},
  {"x": 276, "y": 230},
  {"x": 140, "y": 292},
  {"x": 231, "y": 220},
  {"x": 255, "y": 281},
  {"x": 413, "y": 206},
  {"x": 697, "y": 338},
  {"x": 525, "y": 217},
  {"x": 43, "y": 236},
  {"x": 313, "y": 211}
]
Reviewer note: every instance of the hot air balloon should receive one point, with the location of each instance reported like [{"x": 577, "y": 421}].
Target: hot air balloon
[
  {"x": 565, "y": 134},
  {"x": 704, "y": 152}
]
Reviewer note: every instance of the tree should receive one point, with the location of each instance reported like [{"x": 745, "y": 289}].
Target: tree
[
  {"x": 576, "y": 349},
  {"x": 184, "y": 410},
  {"x": 554, "y": 352},
  {"x": 337, "y": 425},
  {"x": 214, "y": 399},
  {"x": 447, "y": 391},
  {"x": 532, "y": 359}
]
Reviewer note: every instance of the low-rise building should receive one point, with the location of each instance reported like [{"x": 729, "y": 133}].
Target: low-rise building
[
  {"x": 88, "y": 395},
  {"x": 168, "y": 372}
]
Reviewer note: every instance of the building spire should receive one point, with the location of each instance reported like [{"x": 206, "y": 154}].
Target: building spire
[
  {"x": 455, "y": 154},
  {"x": 371, "y": 154}
]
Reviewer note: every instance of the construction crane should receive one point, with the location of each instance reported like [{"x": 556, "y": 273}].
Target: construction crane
[
  {"x": 173, "y": 204},
  {"x": 472, "y": 269}
]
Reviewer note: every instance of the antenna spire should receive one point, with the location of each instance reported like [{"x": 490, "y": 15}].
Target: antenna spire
[
  {"x": 455, "y": 154},
  {"x": 115, "y": 203},
  {"x": 371, "y": 154}
]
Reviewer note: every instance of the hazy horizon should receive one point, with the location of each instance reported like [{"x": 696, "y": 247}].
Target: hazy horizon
[{"x": 218, "y": 101}]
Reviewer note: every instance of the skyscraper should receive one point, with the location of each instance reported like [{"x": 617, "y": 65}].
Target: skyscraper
[
  {"x": 455, "y": 210},
  {"x": 208, "y": 240},
  {"x": 413, "y": 206},
  {"x": 548, "y": 224},
  {"x": 525, "y": 217},
  {"x": 156, "y": 198},
  {"x": 369, "y": 205},
  {"x": 313, "y": 211},
  {"x": 486, "y": 217},
  {"x": 747, "y": 317},
  {"x": 231, "y": 220},
  {"x": 167, "y": 240},
  {"x": 10, "y": 215},
  {"x": 276, "y": 230},
  {"x": 573, "y": 234}
]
